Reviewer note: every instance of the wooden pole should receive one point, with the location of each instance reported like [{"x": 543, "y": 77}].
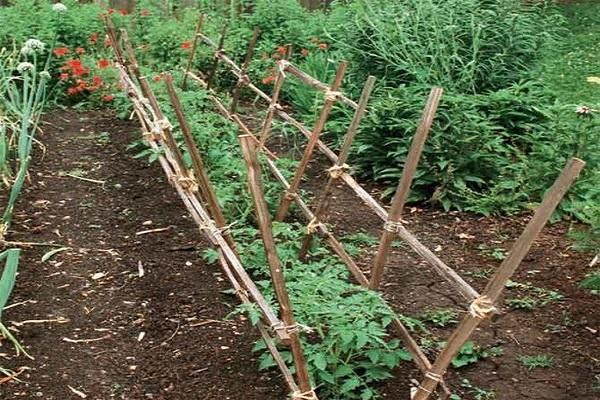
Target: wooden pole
[
  {"x": 483, "y": 306},
  {"x": 243, "y": 80},
  {"x": 410, "y": 167},
  {"x": 340, "y": 166},
  {"x": 330, "y": 99},
  {"x": 206, "y": 188},
  {"x": 265, "y": 132},
  {"x": 190, "y": 61},
  {"x": 264, "y": 224},
  {"x": 213, "y": 70}
]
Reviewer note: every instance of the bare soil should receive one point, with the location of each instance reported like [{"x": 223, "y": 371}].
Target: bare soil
[{"x": 112, "y": 332}]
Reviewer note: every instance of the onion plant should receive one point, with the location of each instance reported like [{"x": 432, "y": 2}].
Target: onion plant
[{"x": 23, "y": 94}]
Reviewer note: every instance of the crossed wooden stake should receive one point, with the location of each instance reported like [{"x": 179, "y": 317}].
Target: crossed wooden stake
[{"x": 196, "y": 191}]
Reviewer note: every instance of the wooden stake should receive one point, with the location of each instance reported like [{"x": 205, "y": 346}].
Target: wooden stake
[
  {"x": 206, "y": 188},
  {"x": 265, "y": 132},
  {"x": 243, "y": 80},
  {"x": 190, "y": 62},
  {"x": 264, "y": 224},
  {"x": 410, "y": 167},
  {"x": 213, "y": 70},
  {"x": 340, "y": 166},
  {"x": 330, "y": 99},
  {"x": 484, "y": 305}
]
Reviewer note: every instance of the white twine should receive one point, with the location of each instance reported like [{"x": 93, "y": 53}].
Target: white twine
[
  {"x": 482, "y": 307},
  {"x": 310, "y": 395},
  {"x": 282, "y": 66},
  {"x": 338, "y": 170},
  {"x": 313, "y": 226},
  {"x": 392, "y": 226},
  {"x": 332, "y": 95}
]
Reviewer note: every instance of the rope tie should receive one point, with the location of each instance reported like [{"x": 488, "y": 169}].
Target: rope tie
[
  {"x": 282, "y": 66},
  {"x": 274, "y": 107},
  {"x": 482, "y": 307},
  {"x": 332, "y": 95},
  {"x": 188, "y": 183},
  {"x": 164, "y": 124},
  {"x": 313, "y": 226},
  {"x": 433, "y": 376},
  {"x": 338, "y": 170},
  {"x": 151, "y": 136},
  {"x": 310, "y": 395},
  {"x": 213, "y": 232},
  {"x": 244, "y": 79},
  {"x": 392, "y": 226},
  {"x": 291, "y": 329},
  {"x": 290, "y": 195},
  {"x": 219, "y": 53}
]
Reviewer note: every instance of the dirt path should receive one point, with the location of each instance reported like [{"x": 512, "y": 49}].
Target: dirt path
[{"x": 156, "y": 336}]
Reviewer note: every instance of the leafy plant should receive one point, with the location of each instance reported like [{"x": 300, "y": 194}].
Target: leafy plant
[
  {"x": 441, "y": 317},
  {"x": 471, "y": 353},
  {"x": 531, "y": 296},
  {"x": 536, "y": 361}
]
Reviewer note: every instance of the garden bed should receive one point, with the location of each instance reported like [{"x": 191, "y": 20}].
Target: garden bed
[{"x": 213, "y": 358}]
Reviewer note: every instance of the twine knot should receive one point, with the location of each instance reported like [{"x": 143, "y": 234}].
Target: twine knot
[
  {"x": 282, "y": 66},
  {"x": 244, "y": 78},
  {"x": 392, "y": 226},
  {"x": 332, "y": 95},
  {"x": 188, "y": 183},
  {"x": 151, "y": 136},
  {"x": 338, "y": 170},
  {"x": 290, "y": 195},
  {"x": 433, "y": 376},
  {"x": 274, "y": 107},
  {"x": 482, "y": 307},
  {"x": 313, "y": 226}
]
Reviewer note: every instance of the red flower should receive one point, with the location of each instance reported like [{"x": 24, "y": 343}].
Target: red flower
[
  {"x": 323, "y": 46},
  {"x": 305, "y": 52},
  {"x": 103, "y": 63},
  {"x": 97, "y": 81},
  {"x": 110, "y": 11},
  {"x": 94, "y": 38},
  {"x": 186, "y": 45},
  {"x": 108, "y": 98},
  {"x": 123, "y": 11},
  {"x": 107, "y": 41},
  {"x": 80, "y": 50},
  {"x": 157, "y": 78},
  {"x": 63, "y": 76},
  {"x": 145, "y": 12},
  {"x": 60, "y": 51},
  {"x": 73, "y": 90},
  {"x": 76, "y": 67}
]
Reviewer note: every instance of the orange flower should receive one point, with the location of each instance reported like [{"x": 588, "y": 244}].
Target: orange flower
[
  {"x": 80, "y": 50},
  {"x": 186, "y": 45},
  {"x": 157, "y": 78},
  {"x": 123, "y": 11},
  {"x": 305, "y": 52},
  {"x": 94, "y": 38},
  {"x": 63, "y": 76},
  {"x": 268, "y": 80},
  {"x": 281, "y": 50},
  {"x": 323, "y": 46},
  {"x": 60, "y": 51},
  {"x": 145, "y": 13},
  {"x": 103, "y": 63},
  {"x": 108, "y": 98},
  {"x": 107, "y": 41}
]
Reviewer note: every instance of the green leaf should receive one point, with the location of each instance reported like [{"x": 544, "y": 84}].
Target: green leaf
[
  {"x": 350, "y": 384},
  {"x": 320, "y": 361},
  {"x": 51, "y": 253},
  {"x": 9, "y": 274}
]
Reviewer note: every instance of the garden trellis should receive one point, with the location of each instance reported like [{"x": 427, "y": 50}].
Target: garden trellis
[{"x": 196, "y": 191}]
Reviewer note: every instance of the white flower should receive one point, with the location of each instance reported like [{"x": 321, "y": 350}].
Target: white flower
[
  {"x": 583, "y": 110},
  {"x": 59, "y": 7},
  {"x": 45, "y": 75},
  {"x": 32, "y": 46},
  {"x": 24, "y": 66}
]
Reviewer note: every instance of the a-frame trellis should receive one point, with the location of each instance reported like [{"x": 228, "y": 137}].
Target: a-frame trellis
[
  {"x": 479, "y": 305},
  {"x": 195, "y": 190}
]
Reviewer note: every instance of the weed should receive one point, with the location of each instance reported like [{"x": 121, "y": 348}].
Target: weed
[
  {"x": 592, "y": 282},
  {"x": 536, "y": 361},
  {"x": 496, "y": 253},
  {"x": 532, "y": 296},
  {"x": 478, "y": 392},
  {"x": 441, "y": 317}
]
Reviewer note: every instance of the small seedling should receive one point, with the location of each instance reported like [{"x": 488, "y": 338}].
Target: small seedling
[
  {"x": 533, "y": 296},
  {"x": 441, "y": 317},
  {"x": 477, "y": 392},
  {"x": 497, "y": 253},
  {"x": 536, "y": 361},
  {"x": 481, "y": 273}
]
